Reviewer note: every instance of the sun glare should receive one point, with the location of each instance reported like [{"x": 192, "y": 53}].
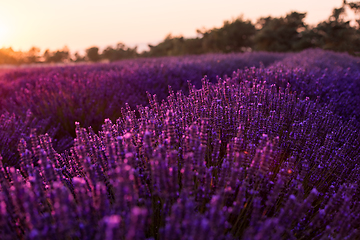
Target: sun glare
[{"x": 3, "y": 32}]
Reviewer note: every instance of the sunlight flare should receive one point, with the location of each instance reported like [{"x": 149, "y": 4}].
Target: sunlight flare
[{"x": 3, "y": 32}]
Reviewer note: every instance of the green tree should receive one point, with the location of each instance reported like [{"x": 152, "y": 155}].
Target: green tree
[
  {"x": 193, "y": 46},
  {"x": 355, "y": 6},
  {"x": 171, "y": 46},
  {"x": 78, "y": 58},
  {"x": 93, "y": 54},
  {"x": 57, "y": 56},
  {"x": 33, "y": 55},
  {"x": 337, "y": 34},
  {"x": 282, "y": 34},
  {"x": 233, "y": 36},
  {"x": 119, "y": 53}
]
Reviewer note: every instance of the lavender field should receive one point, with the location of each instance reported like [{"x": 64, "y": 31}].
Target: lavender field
[{"x": 218, "y": 146}]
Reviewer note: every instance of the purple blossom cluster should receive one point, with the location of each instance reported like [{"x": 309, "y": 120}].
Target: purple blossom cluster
[
  {"x": 334, "y": 77},
  {"x": 13, "y": 128},
  {"x": 237, "y": 159}
]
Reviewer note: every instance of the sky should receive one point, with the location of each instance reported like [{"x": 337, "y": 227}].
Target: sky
[{"x": 80, "y": 24}]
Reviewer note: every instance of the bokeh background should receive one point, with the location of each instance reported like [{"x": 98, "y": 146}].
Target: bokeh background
[{"x": 33, "y": 28}]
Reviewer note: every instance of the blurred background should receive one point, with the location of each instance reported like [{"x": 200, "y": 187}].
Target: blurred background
[{"x": 42, "y": 31}]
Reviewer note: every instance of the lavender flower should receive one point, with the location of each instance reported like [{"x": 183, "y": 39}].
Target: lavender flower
[{"x": 242, "y": 158}]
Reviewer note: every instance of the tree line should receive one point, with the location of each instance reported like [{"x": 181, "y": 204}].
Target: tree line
[{"x": 276, "y": 34}]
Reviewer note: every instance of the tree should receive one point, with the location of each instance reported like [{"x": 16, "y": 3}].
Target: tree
[
  {"x": 118, "y": 53},
  {"x": 355, "y": 6},
  {"x": 9, "y": 56},
  {"x": 233, "y": 36},
  {"x": 47, "y": 56},
  {"x": 33, "y": 55},
  {"x": 281, "y": 34},
  {"x": 337, "y": 34},
  {"x": 93, "y": 54},
  {"x": 56, "y": 57},
  {"x": 171, "y": 46},
  {"x": 78, "y": 57}
]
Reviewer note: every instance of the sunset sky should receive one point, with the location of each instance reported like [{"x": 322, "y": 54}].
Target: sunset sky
[{"x": 80, "y": 24}]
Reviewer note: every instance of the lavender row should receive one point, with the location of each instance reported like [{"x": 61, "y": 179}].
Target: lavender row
[
  {"x": 334, "y": 77},
  {"x": 228, "y": 161},
  {"x": 91, "y": 93}
]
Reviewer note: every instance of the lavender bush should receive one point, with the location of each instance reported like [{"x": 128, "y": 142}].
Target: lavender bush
[
  {"x": 236, "y": 159},
  {"x": 334, "y": 77},
  {"x": 13, "y": 128}
]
